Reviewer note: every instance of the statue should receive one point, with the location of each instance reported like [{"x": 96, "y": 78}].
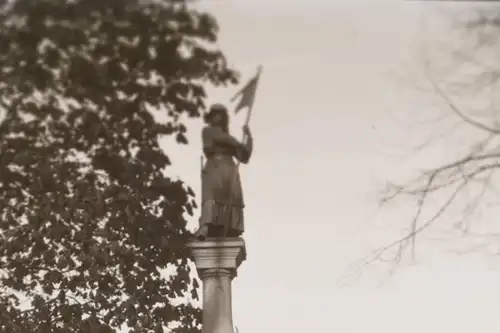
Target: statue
[{"x": 222, "y": 196}]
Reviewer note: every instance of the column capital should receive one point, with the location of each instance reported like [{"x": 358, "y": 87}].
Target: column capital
[
  {"x": 216, "y": 272},
  {"x": 218, "y": 256}
]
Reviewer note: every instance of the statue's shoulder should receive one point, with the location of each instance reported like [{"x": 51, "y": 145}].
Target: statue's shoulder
[
  {"x": 210, "y": 130},
  {"x": 206, "y": 130},
  {"x": 207, "y": 133}
]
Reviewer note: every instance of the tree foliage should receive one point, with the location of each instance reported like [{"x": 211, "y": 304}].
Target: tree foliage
[
  {"x": 467, "y": 74},
  {"x": 89, "y": 216}
]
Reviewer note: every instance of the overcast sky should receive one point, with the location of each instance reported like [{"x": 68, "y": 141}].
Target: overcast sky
[{"x": 331, "y": 118}]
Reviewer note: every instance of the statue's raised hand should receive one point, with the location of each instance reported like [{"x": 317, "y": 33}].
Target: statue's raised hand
[{"x": 246, "y": 131}]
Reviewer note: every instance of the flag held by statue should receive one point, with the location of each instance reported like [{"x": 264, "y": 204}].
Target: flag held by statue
[{"x": 246, "y": 95}]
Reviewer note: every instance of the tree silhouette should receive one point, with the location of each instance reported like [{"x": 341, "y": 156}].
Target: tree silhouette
[
  {"x": 465, "y": 73},
  {"x": 89, "y": 216}
]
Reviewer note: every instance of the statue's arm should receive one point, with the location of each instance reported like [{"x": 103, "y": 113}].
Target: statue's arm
[
  {"x": 242, "y": 151},
  {"x": 246, "y": 150}
]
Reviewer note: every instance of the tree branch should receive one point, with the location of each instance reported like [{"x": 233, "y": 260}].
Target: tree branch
[{"x": 456, "y": 110}]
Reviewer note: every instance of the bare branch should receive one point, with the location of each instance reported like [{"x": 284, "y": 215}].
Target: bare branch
[
  {"x": 456, "y": 110},
  {"x": 460, "y": 163},
  {"x": 472, "y": 173},
  {"x": 401, "y": 244}
]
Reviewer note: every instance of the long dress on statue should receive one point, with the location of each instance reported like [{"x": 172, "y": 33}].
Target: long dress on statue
[{"x": 222, "y": 196}]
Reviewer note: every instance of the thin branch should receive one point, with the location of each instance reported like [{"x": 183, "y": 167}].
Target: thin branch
[
  {"x": 456, "y": 110},
  {"x": 402, "y": 243},
  {"x": 474, "y": 203},
  {"x": 420, "y": 206},
  {"x": 420, "y": 147},
  {"x": 402, "y": 189},
  {"x": 378, "y": 253}
]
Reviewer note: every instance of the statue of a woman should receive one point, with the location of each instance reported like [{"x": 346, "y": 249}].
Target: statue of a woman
[{"x": 222, "y": 196}]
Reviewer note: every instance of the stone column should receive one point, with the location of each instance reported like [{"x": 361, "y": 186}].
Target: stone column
[{"x": 217, "y": 261}]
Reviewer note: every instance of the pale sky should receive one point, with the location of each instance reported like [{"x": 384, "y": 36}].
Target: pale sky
[{"x": 329, "y": 115}]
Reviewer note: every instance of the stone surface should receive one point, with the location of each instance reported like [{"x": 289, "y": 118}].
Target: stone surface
[
  {"x": 226, "y": 253},
  {"x": 217, "y": 261}
]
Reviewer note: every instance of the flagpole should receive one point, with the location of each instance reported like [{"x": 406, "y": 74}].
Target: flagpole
[
  {"x": 250, "y": 107},
  {"x": 236, "y": 172}
]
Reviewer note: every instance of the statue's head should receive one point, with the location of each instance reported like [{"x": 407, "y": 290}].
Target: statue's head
[{"x": 218, "y": 116}]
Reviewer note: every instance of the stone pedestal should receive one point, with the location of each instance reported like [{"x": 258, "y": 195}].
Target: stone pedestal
[{"x": 217, "y": 261}]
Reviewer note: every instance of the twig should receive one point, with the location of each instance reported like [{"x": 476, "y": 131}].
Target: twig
[{"x": 457, "y": 111}]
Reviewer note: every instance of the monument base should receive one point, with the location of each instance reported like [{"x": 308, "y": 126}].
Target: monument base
[{"x": 217, "y": 261}]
